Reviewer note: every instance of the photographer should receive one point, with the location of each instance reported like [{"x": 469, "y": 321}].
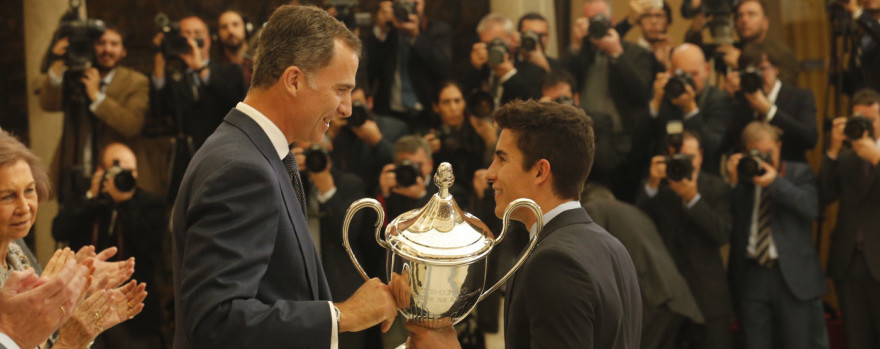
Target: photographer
[
  {"x": 233, "y": 34},
  {"x": 201, "y": 90},
  {"x": 534, "y": 34},
  {"x": 497, "y": 68},
  {"x": 115, "y": 212},
  {"x": 865, "y": 71},
  {"x": 702, "y": 108},
  {"x": 691, "y": 210},
  {"x": 762, "y": 96},
  {"x": 654, "y": 23},
  {"x": 407, "y": 56},
  {"x": 775, "y": 274},
  {"x": 117, "y": 99},
  {"x": 849, "y": 175}
]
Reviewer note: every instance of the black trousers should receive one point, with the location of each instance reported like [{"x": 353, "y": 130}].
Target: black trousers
[{"x": 859, "y": 296}]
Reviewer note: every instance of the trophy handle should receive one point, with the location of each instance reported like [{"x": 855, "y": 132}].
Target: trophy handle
[
  {"x": 515, "y": 204},
  {"x": 356, "y": 206}
]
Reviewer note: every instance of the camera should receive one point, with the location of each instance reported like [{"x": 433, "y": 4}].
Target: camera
[
  {"x": 599, "y": 26},
  {"x": 565, "y": 99},
  {"x": 173, "y": 44},
  {"x": 81, "y": 35},
  {"x": 481, "y": 104},
  {"x": 530, "y": 40},
  {"x": 856, "y": 127},
  {"x": 679, "y": 166},
  {"x": 122, "y": 179},
  {"x": 751, "y": 79},
  {"x": 359, "y": 114},
  {"x": 407, "y": 172},
  {"x": 317, "y": 158},
  {"x": 346, "y": 12},
  {"x": 675, "y": 87},
  {"x": 402, "y": 9},
  {"x": 750, "y": 165},
  {"x": 498, "y": 49}
]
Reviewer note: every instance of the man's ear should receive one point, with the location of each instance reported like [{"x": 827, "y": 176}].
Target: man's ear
[
  {"x": 293, "y": 79},
  {"x": 542, "y": 171}
]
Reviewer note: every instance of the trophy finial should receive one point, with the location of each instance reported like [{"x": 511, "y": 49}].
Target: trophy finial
[{"x": 444, "y": 179}]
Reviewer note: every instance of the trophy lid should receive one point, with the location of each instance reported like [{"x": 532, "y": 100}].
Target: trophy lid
[{"x": 440, "y": 232}]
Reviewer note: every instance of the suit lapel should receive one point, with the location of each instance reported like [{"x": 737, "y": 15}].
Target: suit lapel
[{"x": 291, "y": 203}]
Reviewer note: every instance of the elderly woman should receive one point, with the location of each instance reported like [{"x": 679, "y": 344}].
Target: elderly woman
[{"x": 104, "y": 303}]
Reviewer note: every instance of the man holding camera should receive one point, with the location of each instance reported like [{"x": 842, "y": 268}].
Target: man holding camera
[
  {"x": 762, "y": 96},
  {"x": 407, "y": 55},
  {"x": 116, "y": 212},
  {"x": 233, "y": 32},
  {"x": 117, "y": 100},
  {"x": 866, "y": 14},
  {"x": 690, "y": 209},
  {"x": 775, "y": 274},
  {"x": 534, "y": 34},
  {"x": 684, "y": 95},
  {"x": 849, "y": 174}
]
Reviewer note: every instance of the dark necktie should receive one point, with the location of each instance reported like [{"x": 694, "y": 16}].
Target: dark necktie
[
  {"x": 293, "y": 172},
  {"x": 763, "y": 241}
]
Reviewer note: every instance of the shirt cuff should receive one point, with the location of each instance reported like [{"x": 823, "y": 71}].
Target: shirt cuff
[
  {"x": 334, "y": 329},
  {"x": 8, "y": 342},
  {"x": 692, "y": 114},
  {"x": 770, "y": 113},
  {"x": 693, "y": 201},
  {"x": 55, "y": 80},
  {"x": 206, "y": 79},
  {"x": 379, "y": 34},
  {"x": 507, "y": 76},
  {"x": 324, "y": 197},
  {"x": 650, "y": 191},
  {"x": 654, "y": 112},
  {"x": 158, "y": 83},
  {"x": 858, "y": 13},
  {"x": 98, "y": 99}
]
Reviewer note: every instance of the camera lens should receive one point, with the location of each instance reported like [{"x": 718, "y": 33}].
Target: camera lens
[
  {"x": 678, "y": 167},
  {"x": 358, "y": 114},
  {"x": 750, "y": 166},
  {"x": 674, "y": 88},
  {"x": 481, "y": 104},
  {"x": 751, "y": 80},
  {"x": 124, "y": 181},
  {"x": 497, "y": 50},
  {"x": 406, "y": 173},
  {"x": 316, "y": 159},
  {"x": 529, "y": 41},
  {"x": 856, "y": 127},
  {"x": 599, "y": 26}
]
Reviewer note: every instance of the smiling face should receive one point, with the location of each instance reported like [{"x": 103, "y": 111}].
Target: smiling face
[
  {"x": 109, "y": 50},
  {"x": 506, "y": 174},
  {"x": 18, "y": 201}
]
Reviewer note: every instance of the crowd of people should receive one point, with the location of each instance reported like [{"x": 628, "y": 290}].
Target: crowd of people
[{"x": 697, "y": 146}]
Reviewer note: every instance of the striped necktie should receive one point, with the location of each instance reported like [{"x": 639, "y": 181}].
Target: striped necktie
[
  {"x": 293, "y": 172},
  {"x": 763, "y": 241}
]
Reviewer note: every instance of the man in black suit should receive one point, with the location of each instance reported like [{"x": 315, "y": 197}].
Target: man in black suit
[
  {"x": 693, "y": 219},
  {"x": 850, "y": 176},
  {"x": 702, "y": 108},
  {"x": 578, "y": 288},
  {"x": 613, "y": 77},
  {"x": 787, "y": 107},
  {"x": 775, "y": 274},
  {"x": 246, "y": 271},
  {"x": 535, "y": 23},
  {"x": 406, "y": 60}
]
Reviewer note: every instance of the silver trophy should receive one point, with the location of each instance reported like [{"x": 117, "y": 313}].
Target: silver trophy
[{"x": 437, "y": 255}]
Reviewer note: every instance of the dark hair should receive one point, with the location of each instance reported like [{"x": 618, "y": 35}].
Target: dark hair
[
  {"x": 753, "y": 54},
  {"x": 443, "y": 85},
  {"x": 122, "y": 33},
  {"x": 531, "y": 16},
  {"x": 760, "y": 2},
  {"x": 865, "y": 96},
  {"x": 556, "y": 77},
  {"x": 561, "y": 134},
  {"x": 302, "y": 36},
  {"x": 12, "y": 151}
]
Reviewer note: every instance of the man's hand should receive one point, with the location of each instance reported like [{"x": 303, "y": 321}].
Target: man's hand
[
  {"x": 768, "y": 177},
  {"x": 636, "y": 9},
  {"x": 114, "y": 193},
  {"x": 685, "y": 189},
  {"x": 687, "y": 101},
  {"x": 97, "y": 178},
  {"x": 193, "y": 58},
  {"x": 731, "y": 83},
  {"x": 433, "y": 141},
  {"x": 385, "y": 17},
  {"x": 368, "y": 132},
  {"x": 659, "y": 90},
  {"x": 387, "y": 179},
  {"x": 480, "y": 183},
  {"x": 323, "y": 180},
  {"x": 537, "y": 57},
  {"x": 579, "y": 30},
  {"x": 414, "y": 191},
  {"x": 426, "y": 338},
  {"x": 609, "y": 44},
  {"x": 59, "y": 50},
  {"x": 92, "y": 80},
  {"x": 486, "y": 129},
  {"x": 657, "y": 172},
  {"x": 866, "y": 148},
  {"x": 369, "y": 305},
  {"x": 662, "y": 49},
  {"x": 479, "y": 55},
  {"x": 411, "y": 28},
  {"x": 731, "y": 55},
  {"x": 504, "y": 67},
  {"x": 759, "y": 102},
  {"x": 732, "y": 163},
  {"x": 837, "y": 137}
]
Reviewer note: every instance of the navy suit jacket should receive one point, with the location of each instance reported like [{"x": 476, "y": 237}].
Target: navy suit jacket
[
  {"x": 578, "y": 289},
  {"x": 795, "y": 205},
  {"x": 246, "y": 271}
]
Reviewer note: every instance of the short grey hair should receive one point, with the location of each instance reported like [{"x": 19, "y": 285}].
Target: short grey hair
[
  {"x": 495, "y": 18},
  {"x": 411, "y": 144}
]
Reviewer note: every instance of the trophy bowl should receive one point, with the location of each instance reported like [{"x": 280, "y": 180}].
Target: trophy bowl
[{"x": 437, "y": 255}]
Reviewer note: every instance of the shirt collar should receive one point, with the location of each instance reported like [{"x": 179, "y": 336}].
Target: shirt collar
[
  {"x": 279, "y": 141},
  {"x": 109, "y": 77},
  {"x": 565, "y": 206},
  {"x": 774, "y": 93}
]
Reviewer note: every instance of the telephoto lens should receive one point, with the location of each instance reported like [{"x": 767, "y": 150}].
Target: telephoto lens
[
  {"x": 856, "y": 127},
  {"x": 750, "y": 165},
  {"x": 529, "y": 40},
  {"x": 751, "y": 79},
  {"x": 406, "y": 173},
  {"x": 316, "y": 158},
  {"x": 675, "y": 87},
  {"x": 679, "y": 166}
]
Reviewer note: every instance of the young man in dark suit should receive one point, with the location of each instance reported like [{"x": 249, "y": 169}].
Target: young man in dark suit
[
  {"x": 849, "y": 175},
  {"x": 775, "y": 274},
  {"x": 246, "y": 271},
  {"x": 578, "y": 288}
]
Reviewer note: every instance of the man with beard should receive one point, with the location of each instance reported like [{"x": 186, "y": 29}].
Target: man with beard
[
  {"x": 233, "y": 33},
  {"x": 117, "y": 100}
]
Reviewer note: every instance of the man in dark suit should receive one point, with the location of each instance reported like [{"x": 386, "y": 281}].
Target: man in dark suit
[
  {"x": 536, "y": 23},
  {"x": 775, "y": 274},
  {"x": 693, "y": 219},
  {"x": 850, "y": 176},
  {"x": 578, "y": 288},
  {"x": 246, "y": 271},
  {"x": 406, "y": 60},
  {"x": 613, "y": 77},
  {"x": 787, "y": 107}
]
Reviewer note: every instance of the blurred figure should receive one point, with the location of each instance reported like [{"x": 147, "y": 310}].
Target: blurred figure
[
  {"x": 530, "y": 26},
  {"x": 752, "y": 26},
  {"x": 233, "y": 32},
  {"x": 654, "y": 23}
]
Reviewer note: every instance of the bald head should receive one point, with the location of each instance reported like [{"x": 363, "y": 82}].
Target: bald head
[
  {"x": 193, "y": 27},
  {"x": 690, "y": 59},
  {"x": 120, "y": 152}
]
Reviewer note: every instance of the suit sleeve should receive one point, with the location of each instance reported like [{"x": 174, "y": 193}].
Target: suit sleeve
[
  {"x": 563, "y": 309},
  {"x": 126, "y": 114},
  {"x": 219, "y": 283},
  {"x": 711, "y": 214},
  {"x": 434, "y": 47},
  {"x": 799, "y": 124},
  {"x": 50, "y": 96},
  {"x": 631, "y": 74},
  {"x": 797, "y": 193},
  {"x": 829, "y": 180}
]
